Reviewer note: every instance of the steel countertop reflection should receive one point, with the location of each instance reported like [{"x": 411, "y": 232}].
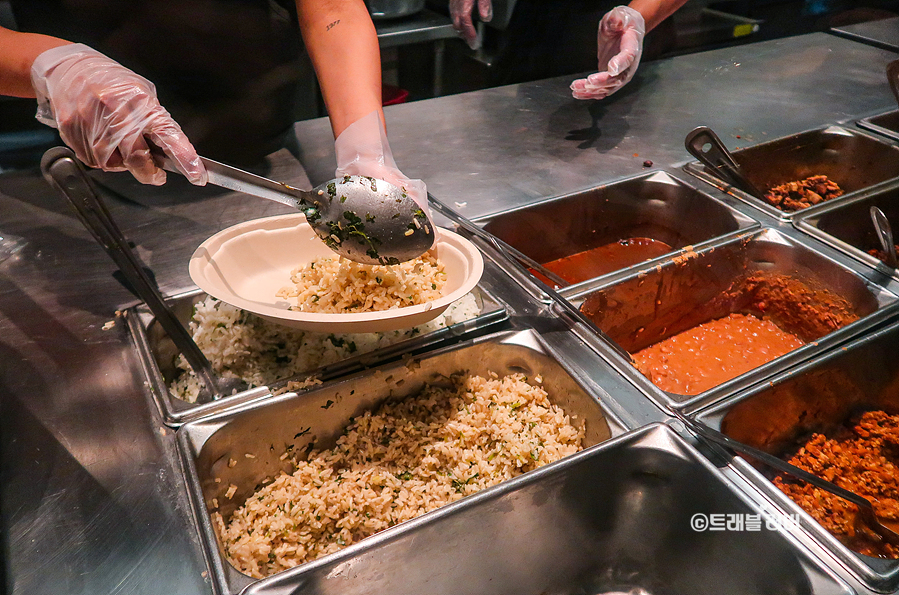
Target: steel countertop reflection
[{"x": 497, "y": 148}]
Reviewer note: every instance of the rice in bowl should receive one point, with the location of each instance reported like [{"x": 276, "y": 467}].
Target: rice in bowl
[
  {"x": 395, "y": 463},
  {"x": 338, "y": 285},
  {"x": 239, "y": 344}
]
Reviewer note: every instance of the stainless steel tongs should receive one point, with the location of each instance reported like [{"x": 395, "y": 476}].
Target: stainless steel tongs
[{"x": 66, "y": 174}]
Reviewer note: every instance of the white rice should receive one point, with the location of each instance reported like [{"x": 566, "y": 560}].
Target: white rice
[
  {"x": 406, "y": 458},
  {"x": 338, "y": 285},
  {"x": 241, "y": 345}
]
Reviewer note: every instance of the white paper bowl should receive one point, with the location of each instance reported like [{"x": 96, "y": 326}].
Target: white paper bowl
[{"x": 245, "y": 266}]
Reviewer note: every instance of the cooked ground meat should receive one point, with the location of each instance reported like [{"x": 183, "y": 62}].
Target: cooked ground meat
[
  {"x": 793, "y": 196},
  {"x": 879, "y": 254},
  {"x": 862, "y": 457}
]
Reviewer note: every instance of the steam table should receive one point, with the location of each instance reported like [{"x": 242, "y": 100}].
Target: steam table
[{"x": 92, "y": 497}]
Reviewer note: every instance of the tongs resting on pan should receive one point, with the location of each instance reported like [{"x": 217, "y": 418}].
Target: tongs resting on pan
[
  {"x": 705, "y": 145},
  {"x": 866, "y": 513},
  {"x": 66, "y": 174},
  {"x": 513, "y": 254},
  {"x": 884, "y": 233}
]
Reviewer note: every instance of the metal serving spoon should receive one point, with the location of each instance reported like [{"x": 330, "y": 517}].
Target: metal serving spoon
[
  {"x": 65, "y": 173},
  {"x": 866, "y": 512},
  {"x": 360, "y": 218},
  {"x": 705, "y": 145},
  {"x": 884, "y": 236}
]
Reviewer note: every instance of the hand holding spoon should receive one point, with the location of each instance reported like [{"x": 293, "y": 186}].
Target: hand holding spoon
[{"x": 360, "y": 218}]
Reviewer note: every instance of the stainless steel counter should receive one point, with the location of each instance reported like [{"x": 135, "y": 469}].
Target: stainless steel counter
[
  {"x": 883, "y": 33},
  {"x": 496, "y": 148},
  {"x": 92, "y": 496},
  {"x": 92, "y": 499}
]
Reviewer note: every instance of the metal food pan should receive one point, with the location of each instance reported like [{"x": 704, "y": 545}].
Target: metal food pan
[
  {"x": 857, "y": 162},
  {"x": 267, "y": 429},
  {"x": 612, "y": 519},
  {"x": 847, "y": 226},
  {"x": 158, "y": 354},
  {"x": 885, "y": 124},
  {"x": 656, "y": 206},
  {"x": 652, "y": 305},
  {"x": 816, "y": 396}
]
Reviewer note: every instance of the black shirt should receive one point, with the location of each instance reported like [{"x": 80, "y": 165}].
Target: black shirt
[{"x": 227, "y": 70}]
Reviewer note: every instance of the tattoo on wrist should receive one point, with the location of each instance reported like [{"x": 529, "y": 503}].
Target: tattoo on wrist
[{"x": 331, "y": 25}]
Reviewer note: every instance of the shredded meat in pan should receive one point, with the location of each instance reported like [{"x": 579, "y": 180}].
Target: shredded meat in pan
[{"x": 863, "y": 456}]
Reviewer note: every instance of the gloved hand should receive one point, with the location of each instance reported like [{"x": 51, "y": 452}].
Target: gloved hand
[
  {"x": 106, "y": 113},
  {"x": 619, "y": 46},
  {"x": 362, "y": 150},
  {"x": 460, "y": 10}
]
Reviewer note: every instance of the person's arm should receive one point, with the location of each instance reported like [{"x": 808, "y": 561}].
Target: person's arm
[
  {"x": 17, "y": 53},
  {"x": 656, "y": 11},
  {"x": 341, "y": 40},
  {"x": 343, "y": 44},
  {"x": 104, "y": 112}
]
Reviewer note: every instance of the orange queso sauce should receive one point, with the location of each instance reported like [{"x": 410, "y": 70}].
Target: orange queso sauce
[
  {"x": 604, "y": 259},
  {"x": 712, "y": 353}
]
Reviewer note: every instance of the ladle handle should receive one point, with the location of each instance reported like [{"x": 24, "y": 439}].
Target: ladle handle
[
  {"x": 885, "y": 236},
  {"x": 513, "y": 254},
  {"x": 704, "y": 144},
  {"x": 239, "y": 180},
  {"x": 63, "y": 171},
  {"x": 893, "y": 78},
  {"x": 770, "y": 460}
]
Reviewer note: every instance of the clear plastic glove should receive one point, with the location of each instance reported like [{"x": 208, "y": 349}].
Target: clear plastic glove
[
  {"x": 106, "y": 113},
  {"x": 362, "y": 150},
  {"x": 619, "y": 47},
  {"x": 461, "y": 10}
]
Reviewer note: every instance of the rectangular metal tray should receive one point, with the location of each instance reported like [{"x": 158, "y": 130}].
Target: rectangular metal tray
[
  {"x": 157, "y": 353},
  {"x": 651, "y": 305},
  {"x": 847, "y": 226},
  {"x": 618, "y": 518},
  {"x": 886, "y": 124},
  {"x": 655, "y": 205},
  {"x": 858, "y": 162},
  {"x": 821, "y": 392},
  {"x": 266, "y": 428}
]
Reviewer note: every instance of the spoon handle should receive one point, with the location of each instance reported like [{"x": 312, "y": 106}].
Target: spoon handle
[
  {"x": 893, "y": 77},
  {"x": 704, "y": 144},
  {"x": 512, "y": 254},
  {"x": 884, "y": 236},
  {"x": 239, "y": 180},
  {"x": 865, "y": 508}
]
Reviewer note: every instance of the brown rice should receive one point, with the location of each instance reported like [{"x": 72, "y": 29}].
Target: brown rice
[
  {"x": 241, "y": 345},
  {"x": 404, "y": 459},
  {"x": 338, "y": 285}
]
